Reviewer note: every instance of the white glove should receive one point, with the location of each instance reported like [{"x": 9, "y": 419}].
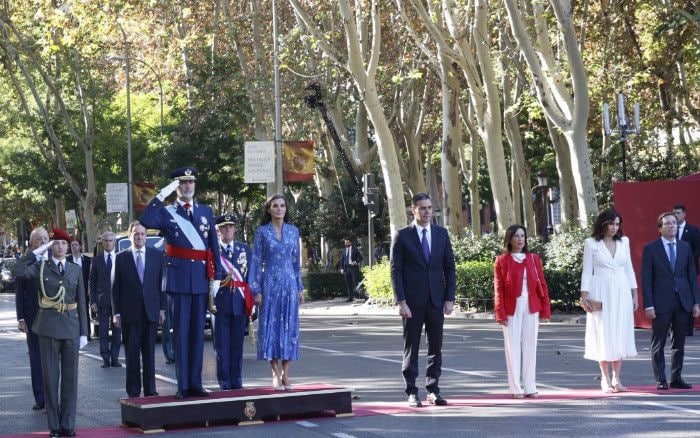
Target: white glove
[
  {"x": 167, "y": 190},
  {"x": 42, "y": 249},
  {"x": 214, "y": 287},
  {"x": 82, "y": 342}
]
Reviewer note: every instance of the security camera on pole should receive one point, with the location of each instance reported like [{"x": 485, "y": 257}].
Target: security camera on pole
[
  {"x": 369, "y": 198},
  {"x": 624, "y": 129}
]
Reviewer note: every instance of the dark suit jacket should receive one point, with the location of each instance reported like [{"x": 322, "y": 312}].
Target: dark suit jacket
[
  {"x": 660, "y": 282},
  {"x": 355, "y": 256},
  {"x": 100, "y": 282},
  {"x": 691, "y": 234},
  {"x": 130, "y": 298},
  {"x": 412, "y": 278},
  {"x": 86, "y": 261},
  {"x": 50, "y": 322},
  {"x": 26, "y": 300}
]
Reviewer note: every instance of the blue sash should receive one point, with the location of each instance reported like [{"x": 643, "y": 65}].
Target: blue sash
[{"x": 187, "y": 228}]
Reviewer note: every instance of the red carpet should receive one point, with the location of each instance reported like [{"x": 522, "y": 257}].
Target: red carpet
[{"x": 384, "y": 408}]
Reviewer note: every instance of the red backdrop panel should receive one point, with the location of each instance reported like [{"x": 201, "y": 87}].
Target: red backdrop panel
[{"x": 639, "y": 204}]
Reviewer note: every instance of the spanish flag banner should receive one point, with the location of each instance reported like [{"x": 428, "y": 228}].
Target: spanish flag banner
[
  {"x": 143, "y": 193},
  {"x": 298, "y": 161}
]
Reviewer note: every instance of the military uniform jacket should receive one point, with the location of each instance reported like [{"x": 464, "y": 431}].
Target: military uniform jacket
[
  {"x": 69, "y": 324},
  {"x": 230, "y": 301},
  {"x": 183, "y": 275}
]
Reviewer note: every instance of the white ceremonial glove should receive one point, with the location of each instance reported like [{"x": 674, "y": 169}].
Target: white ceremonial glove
[
  {"x": 42, "y": 249},
  {"x": 167, "y": 190},
  {"x": 82, "y": 342},
  {"x": 214, "y": 287}
]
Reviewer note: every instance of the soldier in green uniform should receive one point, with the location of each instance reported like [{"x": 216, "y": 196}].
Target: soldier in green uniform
[{"x": 61, "y": 326}]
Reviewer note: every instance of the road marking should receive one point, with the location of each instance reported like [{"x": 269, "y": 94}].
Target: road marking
[
  {"x": 306, "y": 424},
  {"x": 343, "y": 435},
  {"x": 671, "y": 407},
  {"x": 158, "y": 376}
]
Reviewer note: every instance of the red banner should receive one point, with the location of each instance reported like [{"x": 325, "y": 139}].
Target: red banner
[
  {"x": 298, "y": 161},
  {"x": 143, "y": 193}
]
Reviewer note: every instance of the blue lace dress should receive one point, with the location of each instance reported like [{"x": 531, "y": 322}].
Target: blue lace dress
[{"x": 274, "y": 272}]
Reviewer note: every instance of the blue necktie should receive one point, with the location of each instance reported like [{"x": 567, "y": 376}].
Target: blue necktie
[
  {"x": 109, "y": 263},
  {"x": 426, "y": 247},
  {"x": 672, "y": 255},
  {"x": 139, "y": 265}
]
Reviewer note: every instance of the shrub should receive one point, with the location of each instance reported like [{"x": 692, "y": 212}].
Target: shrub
[
  {"x": 564, "y": 251},
  {"x": 378, "y": 281},
  {"x": 325, "y": 285},
  {"x": 475, "y": 284},
  {"x": 477, "y": 248}
]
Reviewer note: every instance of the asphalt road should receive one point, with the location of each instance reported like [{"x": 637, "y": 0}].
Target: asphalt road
[{"x": 359, "y": 348}]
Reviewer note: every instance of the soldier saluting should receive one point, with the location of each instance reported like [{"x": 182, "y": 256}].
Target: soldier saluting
[{"x": 61, "y": 325}]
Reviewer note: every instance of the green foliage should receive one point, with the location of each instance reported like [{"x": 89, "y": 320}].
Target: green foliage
[
  {"x": 475, "y": 284},
  {"x": 564, "y": 251},
  {"x": 378, "y": 281},
  {"x": 325, "y": 285},
  {"x": 477, "y": 248}
]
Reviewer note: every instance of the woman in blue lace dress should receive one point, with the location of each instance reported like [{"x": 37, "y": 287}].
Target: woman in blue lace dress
[{"x": 276, "y": 284}]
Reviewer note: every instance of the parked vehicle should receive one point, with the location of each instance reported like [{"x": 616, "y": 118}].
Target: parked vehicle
[{"x": 7, "y": 280}]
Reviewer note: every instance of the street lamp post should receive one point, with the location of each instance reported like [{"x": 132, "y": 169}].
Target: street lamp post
[{"x": 624, "y": 127}]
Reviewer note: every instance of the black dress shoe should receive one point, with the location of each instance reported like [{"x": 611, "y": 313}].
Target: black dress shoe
[
  {"x": 199, "y": 392},
  {"x": 170, "y": 361},
  {"x": 67, "y": 432},
  {"x": 661, "y": 386},
  {"x": 436, "y": 399},
  {"x": 151, "y": 394},
  {"x": 414, "y": 402},
  {"x": 181, "y": 394},
  {"x": 116, "y": 364},
  {"x": 105, "y": 364},
  {"x": 38, "y": 406},
  {"x": 54, "y": 432},
  {"x": 681, "y": 384}
]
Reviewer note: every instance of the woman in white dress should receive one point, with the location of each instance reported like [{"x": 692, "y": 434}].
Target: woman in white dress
[{"x": 608, "y": 278}]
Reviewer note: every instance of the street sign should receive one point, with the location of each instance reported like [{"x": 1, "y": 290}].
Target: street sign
[
  {"x": 259, "y": 162},
  {"x": 70, "y": 219},
  {"x": 117, "y": 195}
]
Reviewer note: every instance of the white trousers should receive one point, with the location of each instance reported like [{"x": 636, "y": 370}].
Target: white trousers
[{"x": 520, "y": 339}]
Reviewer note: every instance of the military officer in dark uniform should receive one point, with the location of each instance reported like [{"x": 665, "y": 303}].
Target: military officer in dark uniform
[
  {"x": 60, "y": 324},
  {"x": 233, "y": 305},
  {"x": 193, "y": 269},
  {"x": 27, "y": 305}
]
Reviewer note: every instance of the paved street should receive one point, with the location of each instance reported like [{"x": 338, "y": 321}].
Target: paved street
[{"x": 359, "y": 347}]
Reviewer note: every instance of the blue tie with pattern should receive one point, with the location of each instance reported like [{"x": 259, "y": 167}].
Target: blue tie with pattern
[
  {"x": 426, "y": 247},
  {"x": 672, "y": 255}
]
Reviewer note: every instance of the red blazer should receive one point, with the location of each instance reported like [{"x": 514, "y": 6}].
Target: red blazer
[{"x": 508, "y": 284}]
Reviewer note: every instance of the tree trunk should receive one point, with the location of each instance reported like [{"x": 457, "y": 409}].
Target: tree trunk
[{"x": 451, "y": 144}]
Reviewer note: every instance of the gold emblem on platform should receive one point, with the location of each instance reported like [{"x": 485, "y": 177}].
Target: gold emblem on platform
[{"x": 250, "y": 410}]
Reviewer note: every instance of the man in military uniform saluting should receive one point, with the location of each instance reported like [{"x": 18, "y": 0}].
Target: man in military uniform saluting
[
  {"x": 233, "y": 305},
  {"x": 193, "y": 269},
  {"x": 61, "y": 326}
]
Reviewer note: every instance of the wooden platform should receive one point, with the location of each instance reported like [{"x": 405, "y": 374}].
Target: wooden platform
[{"x": 241, "y": 406}]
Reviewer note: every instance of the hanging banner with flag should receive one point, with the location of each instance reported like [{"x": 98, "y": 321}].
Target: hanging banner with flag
[
  {"x": 298, "y": 161},
  {"x": 143, "y": 193}
]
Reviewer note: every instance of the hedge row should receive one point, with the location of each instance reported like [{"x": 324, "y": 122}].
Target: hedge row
[{"x": 475, "y": 285}]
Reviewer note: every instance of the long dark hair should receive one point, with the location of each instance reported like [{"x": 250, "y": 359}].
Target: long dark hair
[
  {"x": 267, "y": 217},
  {"x": 509, "y": 235},
  {"x": 604, "y": 218}
]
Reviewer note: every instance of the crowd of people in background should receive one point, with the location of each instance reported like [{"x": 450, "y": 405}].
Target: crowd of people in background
[{"x": 134, "y": 292}]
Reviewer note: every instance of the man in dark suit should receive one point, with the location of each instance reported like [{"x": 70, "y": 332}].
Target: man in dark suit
[
  {"x": 350, "y": 266},
  {"x": 139, "y": 307},
  {"x": 61, "y": 326},
  {"x": 193, "y": 269},
  {"x": 424, "y": 283},
  {"x": 670, "y": 294},
  {"x": 27, "y": 305},
  {"x": 101, "y": 279},
  {"x": 83, "y": 261},
  {"x": 232, "y": 305}
]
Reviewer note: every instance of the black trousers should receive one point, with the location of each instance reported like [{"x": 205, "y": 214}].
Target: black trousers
[
  {"x": 351, "y": 274},
  {"x": 433, "y": 319},
  {"x": 139, "y": 349},
  {"x": 677, "y": 321}
]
